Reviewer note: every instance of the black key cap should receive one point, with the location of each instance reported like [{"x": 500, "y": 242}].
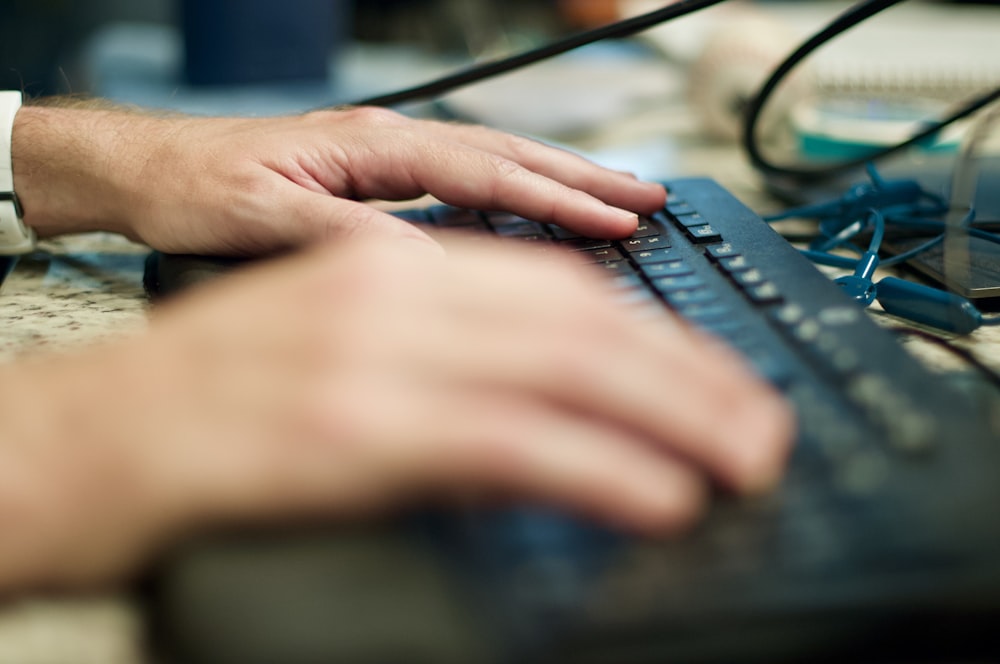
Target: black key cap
[
  {"x": 765, "y": 293},
  {"x": 680, "y": 208},
  {"x": 585, "y": 243},
  {"x": 727, "y": 329},
  {"x": 646, "y": 228},
  {"x": 668, "y": 284},
  {"x": 602, "y": 255},
  {"x": 748, "y": 278},
  {"x": 560, "y": 233},
  {"x": 723, "y": 250},
  {"x": 617, "y": 268},
  {"x": 742, "y": 339},
  {"x": 452, "y": 217},
  {"x": 703, "y": 233},
  {"x": 692, "y": 220},
  {"x": 652, "y": 256},
  {"x": 515, "y": 226},
  {"x": 735, "y": 264},
  {"x": 682, "y": 298},
  {"x": 668, "y": 269},
  {"x": 705, "y": 313},
  {"x": 645, "y": 243}
]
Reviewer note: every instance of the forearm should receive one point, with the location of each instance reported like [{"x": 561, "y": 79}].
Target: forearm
[{"x": 72, "y": 169}]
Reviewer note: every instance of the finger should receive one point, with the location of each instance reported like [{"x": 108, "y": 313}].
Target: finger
[
  {"x": 569, "y": 345},
  {"x": 503, "y": 442},
  {"x": 615, "y": 188},
  {"x": 472, "y": 178}
]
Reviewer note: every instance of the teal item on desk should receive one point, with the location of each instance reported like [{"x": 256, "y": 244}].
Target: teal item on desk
[{"x": 836, "y": 129}]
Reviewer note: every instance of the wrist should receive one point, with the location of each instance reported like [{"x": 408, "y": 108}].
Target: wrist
[
  {"x": 15, "y": 237},
  {"x": 75, "y": 507},
  {"x": 72, "y": 170}
]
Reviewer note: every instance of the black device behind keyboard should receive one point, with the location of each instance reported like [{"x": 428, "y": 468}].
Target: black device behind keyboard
[{"x": 882, "y": 543}]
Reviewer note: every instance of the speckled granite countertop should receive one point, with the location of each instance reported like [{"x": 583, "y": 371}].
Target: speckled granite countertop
[{"x": 75, "y": 291}]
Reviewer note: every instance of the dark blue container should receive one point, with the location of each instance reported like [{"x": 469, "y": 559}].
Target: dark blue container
[{"x": 235, "y": 42}]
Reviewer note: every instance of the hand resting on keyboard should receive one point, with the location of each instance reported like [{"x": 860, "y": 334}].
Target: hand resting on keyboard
[
  {"x": 228, "y": 186},
  {"x": 364, "y": 377}
]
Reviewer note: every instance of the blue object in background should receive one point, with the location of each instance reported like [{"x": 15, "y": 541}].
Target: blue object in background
[{"x": 235, "y": 42}]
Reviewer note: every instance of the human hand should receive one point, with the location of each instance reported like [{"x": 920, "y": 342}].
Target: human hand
[
  {"x": 248, "y": 186},
  {"x": 355, "y": 378}
]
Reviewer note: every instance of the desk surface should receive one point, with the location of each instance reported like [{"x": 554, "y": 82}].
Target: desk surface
[{"x": 85, "y": 288}]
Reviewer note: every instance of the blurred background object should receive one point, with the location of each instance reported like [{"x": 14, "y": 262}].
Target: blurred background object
[
  {"x": 589, "y": 13},
  {"x": 250, "y": 41},
  {"x": 40, "y": 39}
]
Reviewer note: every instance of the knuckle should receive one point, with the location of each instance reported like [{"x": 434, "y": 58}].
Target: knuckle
[
  {"x": 502, "y": 174},
  {"x": 520, "y": 147},
  {"x": 373, "y": 116}
]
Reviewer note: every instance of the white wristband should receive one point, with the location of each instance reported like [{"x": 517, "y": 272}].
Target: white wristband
[{"x": 15, "y": 237}]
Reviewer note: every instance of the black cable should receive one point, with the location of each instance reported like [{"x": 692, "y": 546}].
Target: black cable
[
  {"x": 856, "y": 14},
  {"x": 853, "y": 16},
  {"x": 624, "y": 28}
]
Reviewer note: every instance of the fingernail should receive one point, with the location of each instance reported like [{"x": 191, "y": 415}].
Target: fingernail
[{"x": 625, "y": 214}]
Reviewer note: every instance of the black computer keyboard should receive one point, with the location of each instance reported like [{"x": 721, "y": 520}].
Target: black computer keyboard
[{"x": 882, "y": 544}]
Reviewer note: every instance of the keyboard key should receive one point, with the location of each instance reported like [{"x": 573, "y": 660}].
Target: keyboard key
[
  {"x": 645, "y": 243},
  {"x": 724, "y": 250},
  {"x": 647, "y": 228},
  {"x": 515, "y": 227},
  {"x": 669, "y": 269},
  {"x": 560, "y": 233},
  {"x": 743, "y": 339},
  {"x": 692, "y": 220},
  {"x": 585, "y": 243},
  {"x": 680, "y": 208},
  {"x": 703, "y": 233},
  {"x": 679, "y": 299},
  {"x": 735, "y": 264},
  {"x": 630, "y": 281},
  {"x": 701, "y": 313},
  {"x": 765, "y": 293},
  {"x": 729, "y": 329},
  {"x": 748, "y": 278},
  {"x": 602, "y": 255},
  {"x": 652, "y": 256},
  {"x": 617, "y": 268},
  {"x": 788, "y": 315},
  {"x": 451, "y": 217},
  {"x": 669, "y": 284},
  {"x": 503, "y": 218}
]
